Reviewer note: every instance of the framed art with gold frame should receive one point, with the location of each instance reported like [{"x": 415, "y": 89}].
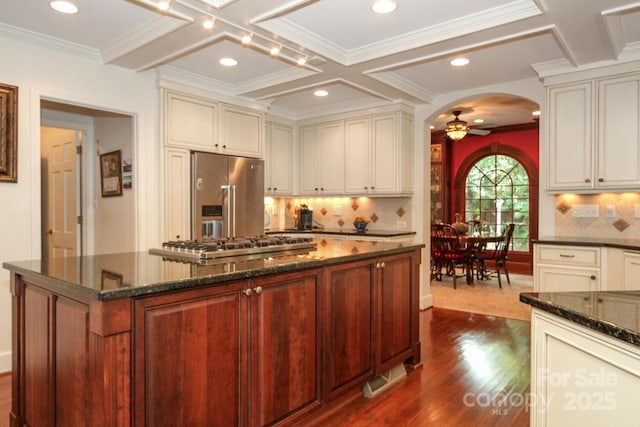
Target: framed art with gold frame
[
  {"x": 8, "y": 133},
  {"x": 111, "y": 174}
]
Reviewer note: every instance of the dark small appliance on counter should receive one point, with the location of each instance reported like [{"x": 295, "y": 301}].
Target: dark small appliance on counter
[{"x": 304, "y": 218}]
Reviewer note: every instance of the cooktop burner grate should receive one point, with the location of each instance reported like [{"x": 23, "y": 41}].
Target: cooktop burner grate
[{"x": 219, "y": 248}]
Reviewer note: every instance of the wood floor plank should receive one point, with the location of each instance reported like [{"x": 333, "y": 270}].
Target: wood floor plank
[{"x": 475, "y": 372}]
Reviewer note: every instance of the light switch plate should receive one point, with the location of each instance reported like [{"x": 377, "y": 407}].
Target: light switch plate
[{"x": 611, "y": 211}]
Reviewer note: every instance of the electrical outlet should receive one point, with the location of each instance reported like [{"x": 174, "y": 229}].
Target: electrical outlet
[
  {"x": 401, "y": 224},
  {"x": 586, "y": 211},
  {"x": 611, "y": 211}
]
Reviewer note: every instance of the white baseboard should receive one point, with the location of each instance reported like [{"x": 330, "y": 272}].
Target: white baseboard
[
  {"x": 426, "y": 301},
  {"x": 5, "y": 362}
]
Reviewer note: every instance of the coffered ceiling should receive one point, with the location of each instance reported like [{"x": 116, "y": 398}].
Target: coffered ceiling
[{"x": 361, "y": 58}]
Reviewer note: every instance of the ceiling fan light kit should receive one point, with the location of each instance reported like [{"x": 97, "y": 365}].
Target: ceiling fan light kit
[{"x": 456, "y": 128}]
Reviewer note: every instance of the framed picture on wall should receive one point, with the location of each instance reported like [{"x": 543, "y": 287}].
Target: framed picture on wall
[
  {"x": 436, "y": 153},
  {"x": 111, "y": 174},
  {"x": 8, "y": 133}
]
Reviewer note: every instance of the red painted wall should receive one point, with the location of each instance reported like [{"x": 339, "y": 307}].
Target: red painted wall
[{"x": 525, "y": 140}]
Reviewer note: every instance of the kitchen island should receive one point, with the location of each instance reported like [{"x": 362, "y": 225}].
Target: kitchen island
[
  {"x": 139, "y": 339},
  {"x": 585, "y": 358}
]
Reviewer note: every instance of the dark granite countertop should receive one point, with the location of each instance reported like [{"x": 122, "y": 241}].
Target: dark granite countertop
[
  {"x": 112, "y": 276},
  {"x": 630, "y": 244},
  {"x": 603, "y": 311},
  {"x": 346, "y": 232}
]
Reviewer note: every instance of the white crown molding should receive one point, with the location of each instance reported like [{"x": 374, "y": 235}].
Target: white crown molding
[
  {"x": 48, "y": 42},
  {"x": 325, "y": 110},
  {"x": 274, "y": 79},
  {"x": 218, "y": 4},
  {"x": 395, "y": 81},
  {"x": 560, "y": 71},
  {"x": 279, "y": 11},
  {"x": 177, "y": 75},
  {"x": 514, "y": 11},
  {"x": 631, "y": 52},
  {"x": 141, "y": 36},
  {"x": 175, "y": 54}
]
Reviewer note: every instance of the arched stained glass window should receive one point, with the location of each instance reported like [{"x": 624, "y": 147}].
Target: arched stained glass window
[{"x": 497, "y": 192}]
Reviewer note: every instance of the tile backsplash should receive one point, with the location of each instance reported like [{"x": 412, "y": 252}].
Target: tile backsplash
[
  {"x": 393, "y": 213},
  {"x": 621, "y": 224}
]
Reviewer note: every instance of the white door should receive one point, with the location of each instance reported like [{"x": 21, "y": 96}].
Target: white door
[{"x": 60, "y": 198}]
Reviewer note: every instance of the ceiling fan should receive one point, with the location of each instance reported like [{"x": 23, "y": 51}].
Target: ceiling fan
[{"x": 458, "y": 129}]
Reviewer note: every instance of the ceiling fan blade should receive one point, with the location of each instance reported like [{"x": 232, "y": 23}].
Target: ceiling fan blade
[
  {"x": 486, "y": 126},
  {"x": 481, "y": 132}
]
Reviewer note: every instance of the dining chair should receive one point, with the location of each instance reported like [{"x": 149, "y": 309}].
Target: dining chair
[
  {"x": 477, "y": 227},
  {"x": 447, "y": 252},
  {"x": 499, "y": 256}
]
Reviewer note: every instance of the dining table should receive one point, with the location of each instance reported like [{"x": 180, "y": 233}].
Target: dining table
[{"x": 473, "y": 244}]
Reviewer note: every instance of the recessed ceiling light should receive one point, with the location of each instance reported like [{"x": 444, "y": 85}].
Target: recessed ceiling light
[
  {"x": 228, "y": 62},
  {"x": 384, "y": 6},
  {"x": 64, "y": 6},
  {"x": 478, "y": 121},
  {"x": 209, "y": 23},
  {"x": 459, "y": 62},
  {"x": 321, "y": 92},
  {"x": 164, "y": 4},
  {"x": 536, "y": 113}
]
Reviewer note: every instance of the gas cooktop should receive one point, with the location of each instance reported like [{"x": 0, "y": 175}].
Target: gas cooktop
[{"x": 221, "y": 248}]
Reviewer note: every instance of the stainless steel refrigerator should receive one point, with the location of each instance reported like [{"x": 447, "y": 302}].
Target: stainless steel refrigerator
[{"x": 227, "y": 196}]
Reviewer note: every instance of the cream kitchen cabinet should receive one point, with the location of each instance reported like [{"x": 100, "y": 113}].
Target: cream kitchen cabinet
[
  {"x": 631, "y": 269},
  {"x": 581, "y": 376},
  {"x": 566, "y": 268},
  {"x": 379, "y": 155},
  {"x": 279, "y": 160},
  {"x": 177, "y": 196},
  {"x": 190, "y": 122},
  {"x": 321, "y": 164},
  {"x": 242, "y": 132},
  {"x": 593, "y": 139},
  {"x": 203, "y": 124}
]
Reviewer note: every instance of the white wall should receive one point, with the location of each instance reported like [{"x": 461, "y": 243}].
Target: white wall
[{"x": 41, "y": 72}]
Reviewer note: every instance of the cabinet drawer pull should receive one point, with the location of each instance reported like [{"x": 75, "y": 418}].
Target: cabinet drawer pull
[
  {"x": 248, "y": 292},
  {"x": 593, "y": 277},
  {"x": 567, "y": 256},
  {"x": 258, "y": 290}
]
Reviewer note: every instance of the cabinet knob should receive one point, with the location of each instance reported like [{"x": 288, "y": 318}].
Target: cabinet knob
[
  {"x": 321, "y": 188},
  {"x": 275, "y": 188},
  {"x": 258, "y": 290},
  {"x": 248, "y": 292},
  {"x": 316, "y": 188},
  {"x": 600, "y": 179},
  {"x": 224, "y": 146},
  {"x": 593, "y": 277},
  {"x": 269, "y": 189},
  {"x": 215, "y": 145},
  {"x": 177, "y": 237},
  {"x": 373, "y": 188},
  {"x": 382, "y": 265},
  {"x": 587, "y": 180},
  {"x": 366, "y": 188}
]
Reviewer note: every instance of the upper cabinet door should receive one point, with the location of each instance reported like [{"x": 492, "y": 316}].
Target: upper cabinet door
[
  {"x": 332, "y": 158},
  {"x": 385, "y": 154},
  {"x": 242, "y": 132},
  {"x": 190, "y": 122},
  {"x": 357, "y": 178},
  {"x": 619, "y": 132},
  {"x": 570, "y": 137},
  {"x": 279, "y": 179},
  {"x": 309, "y": 146}
]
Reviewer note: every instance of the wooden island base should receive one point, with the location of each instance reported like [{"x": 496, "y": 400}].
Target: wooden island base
[{"x": 272, "y": 349}]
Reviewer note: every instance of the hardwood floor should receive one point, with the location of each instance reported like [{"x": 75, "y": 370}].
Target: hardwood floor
[
  {"x": 475, "y": 372},
  {"x": 474, "y": 368}
]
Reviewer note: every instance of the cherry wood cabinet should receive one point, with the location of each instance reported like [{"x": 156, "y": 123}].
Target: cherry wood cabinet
[{"x": 276, "y": 349}]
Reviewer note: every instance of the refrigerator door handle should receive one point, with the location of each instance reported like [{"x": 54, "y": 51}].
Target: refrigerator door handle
[
  {"x": 228, "y": 203},
  {"x": 233, "y": 217}
]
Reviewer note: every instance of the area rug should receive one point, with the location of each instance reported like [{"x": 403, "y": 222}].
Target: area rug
[{"x": 484, "y": 296}]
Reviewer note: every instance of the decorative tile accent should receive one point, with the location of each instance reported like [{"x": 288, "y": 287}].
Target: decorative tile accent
[
  {"x": 563, "y": 207},
  {"x": 323, "y": 211},
  {"x": 374, "y": 218},
  {"x": 323, "y": 243},
  {"x": 354, "y": 250},
  {"x": 354, "y": 206},
  {"x": 621, "y": 225},
  {"x": 288, "y": 206},
  {"x": 340, "y": 222},
  {"x": 400, "y": 212}
]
